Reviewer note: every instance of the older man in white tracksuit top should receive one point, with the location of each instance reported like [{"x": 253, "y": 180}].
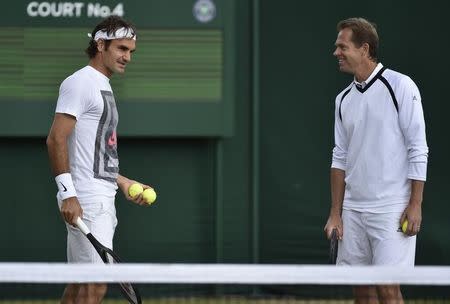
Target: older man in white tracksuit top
[{"x": 379, "y": 160}]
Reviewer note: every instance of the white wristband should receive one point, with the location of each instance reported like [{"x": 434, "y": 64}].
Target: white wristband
[{"x": 65, "y": 186}]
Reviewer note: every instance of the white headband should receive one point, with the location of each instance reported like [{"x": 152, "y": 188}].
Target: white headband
[{"x": 120, "y": 33}]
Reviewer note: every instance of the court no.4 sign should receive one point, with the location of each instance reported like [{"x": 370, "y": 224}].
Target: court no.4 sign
[{"x": 73, "y": 9}]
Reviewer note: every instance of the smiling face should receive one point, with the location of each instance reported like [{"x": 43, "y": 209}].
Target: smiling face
[
  {"x": 350, "y": 57},
  {"x": 116, "y": 56}
]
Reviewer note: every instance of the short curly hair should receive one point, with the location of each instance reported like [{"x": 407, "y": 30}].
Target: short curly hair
[{"x": 110, "y": 25}]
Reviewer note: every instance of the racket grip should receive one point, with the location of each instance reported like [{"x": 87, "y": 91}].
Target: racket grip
[{"x": 82, "y": 226}]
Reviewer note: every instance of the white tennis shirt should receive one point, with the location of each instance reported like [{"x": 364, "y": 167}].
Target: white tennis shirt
[
  {"x": 380, "y": 141},
  {"x": 94, "y": 162}
]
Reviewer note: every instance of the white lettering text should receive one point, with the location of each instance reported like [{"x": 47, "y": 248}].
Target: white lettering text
[{"x": 72, "y": 9}]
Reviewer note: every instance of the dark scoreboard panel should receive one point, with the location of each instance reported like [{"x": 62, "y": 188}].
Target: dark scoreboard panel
[{"x": 179, "y": 83}]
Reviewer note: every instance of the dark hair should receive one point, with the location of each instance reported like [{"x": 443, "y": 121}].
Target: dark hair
[
  {"x": 363, "y": 31},
  {"x": 110, "y": 25}
]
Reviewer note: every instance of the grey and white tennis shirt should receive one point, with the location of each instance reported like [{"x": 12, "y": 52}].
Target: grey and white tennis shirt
[{"x": 94, "y": 162}]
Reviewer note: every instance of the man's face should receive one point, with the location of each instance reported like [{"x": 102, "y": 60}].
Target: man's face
[
  {"x": 350, "y": 57},
  {"x": 118, "y": 55}
]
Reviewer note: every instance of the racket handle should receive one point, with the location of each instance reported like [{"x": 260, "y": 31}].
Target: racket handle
[
  {"x": 334, "y": 233},
  {"x": 82, "y": 226}
]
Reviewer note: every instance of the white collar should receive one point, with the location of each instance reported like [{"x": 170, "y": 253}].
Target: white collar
[{"x": 363, "y": 83}]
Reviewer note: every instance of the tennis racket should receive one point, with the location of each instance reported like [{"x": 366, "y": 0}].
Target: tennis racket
[
  {"x": 109, "y": 257},
  {"x": 333, "y": 247}
]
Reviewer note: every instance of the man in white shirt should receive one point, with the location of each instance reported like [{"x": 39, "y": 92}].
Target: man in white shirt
[
  {"x": 82, "y": 147},
  {"x": 379, "y": 161}
]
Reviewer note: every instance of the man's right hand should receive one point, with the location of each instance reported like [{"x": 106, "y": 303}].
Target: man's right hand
[
  {"x": 334, "y": 222},
  {"x": 71, "y": 210}
]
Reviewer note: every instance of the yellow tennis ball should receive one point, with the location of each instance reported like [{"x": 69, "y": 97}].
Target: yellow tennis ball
[
  {"x": 135, "y": 189},
  {"x": 149, "y": 195},
  {"x": 404, "y": 226}
]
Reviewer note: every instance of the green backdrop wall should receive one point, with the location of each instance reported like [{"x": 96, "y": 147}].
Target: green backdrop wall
[{"x": 208, "y": 195}]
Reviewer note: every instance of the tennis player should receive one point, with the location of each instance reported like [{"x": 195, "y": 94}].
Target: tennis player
[
  {"x": 379, "y": 161},
  {"x": 82, "y": 147}
]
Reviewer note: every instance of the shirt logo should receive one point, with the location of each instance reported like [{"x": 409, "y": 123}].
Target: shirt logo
[{"x": 112, "y": 140}]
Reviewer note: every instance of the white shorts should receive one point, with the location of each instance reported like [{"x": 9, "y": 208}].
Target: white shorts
[
  {"x": 375, "y": 239},
  {"x": 100, "y": 216}
]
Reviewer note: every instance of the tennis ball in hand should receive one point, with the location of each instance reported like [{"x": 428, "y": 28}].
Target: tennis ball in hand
[
  {"x": 149, "y": 195},
  {"x": 135, "y": 189},
  {"x": 405, "y": 226}
]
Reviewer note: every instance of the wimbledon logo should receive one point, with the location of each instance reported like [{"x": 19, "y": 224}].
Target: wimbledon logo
[{"x": 204, "y": 10}]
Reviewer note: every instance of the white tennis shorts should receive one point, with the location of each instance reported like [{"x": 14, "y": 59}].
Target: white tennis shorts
[
  {"x": 375, "y": 239},
  {"x": 100, "y": 216}
]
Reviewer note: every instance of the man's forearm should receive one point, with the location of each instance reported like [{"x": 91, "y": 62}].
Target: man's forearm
[
  {"x": 58, "y": 156},
  {"x": 121, "y": 179},
  {"x": 417, "y": 187},
  {"x": 337, "y": 178}
]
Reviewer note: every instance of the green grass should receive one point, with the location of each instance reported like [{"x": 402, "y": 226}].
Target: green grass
[
  {"x": 228, "y": 300},
  {"x": 197, "y": 301}
]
